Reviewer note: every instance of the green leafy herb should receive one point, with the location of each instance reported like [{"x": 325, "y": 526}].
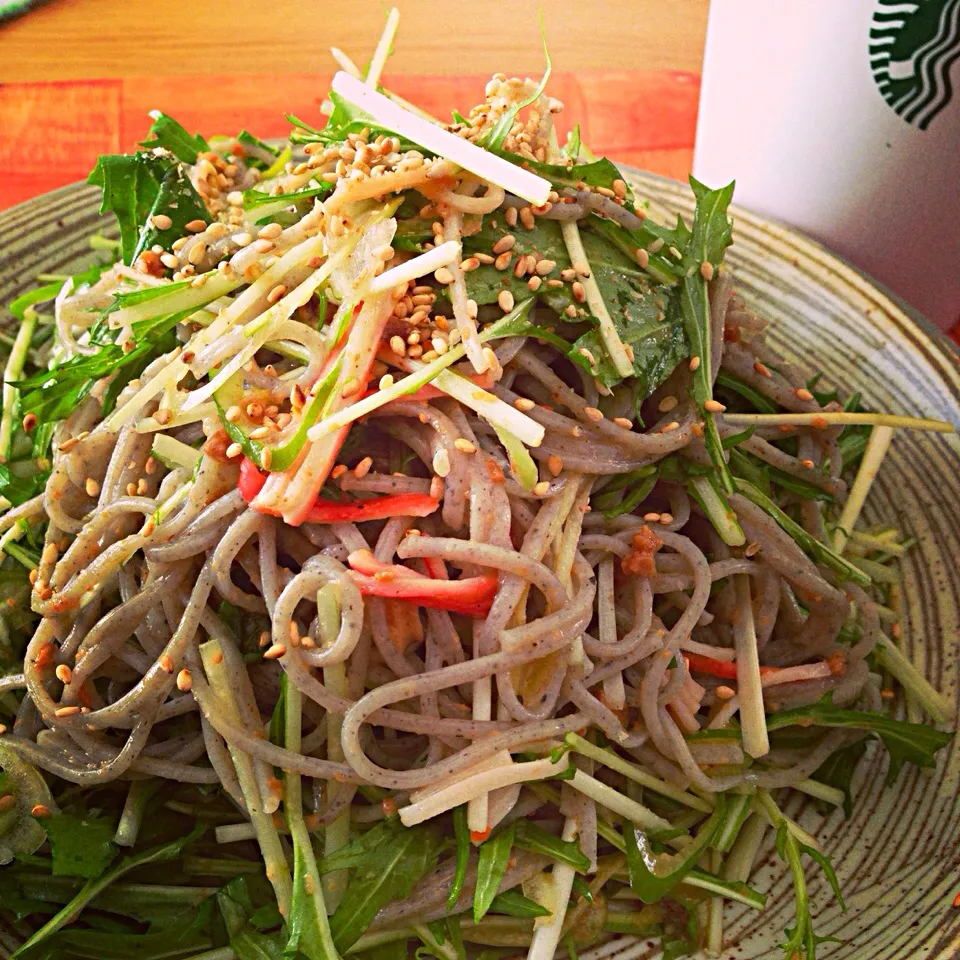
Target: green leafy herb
[
  {"x": 258, "y": 198},
  {"x": 915, "y": 743},
  {"x": 461, "y": 834},
  {"x": 838, "y": 770},
  {"x": 92, "y": 888},
  {"x": 387, "y": 872},
  {"x": 491, "y": 866},
  {"x": 571, "y": 149},
  {"x": 711, "y": 235},
  {"x": 801, "y": 939},
  {"x": 653, "y": 876},
  {"x": 165, "y": 132},
  {"x": 140, "y": 185},
  {"x": 537, "y": 840},
  {"x": 80, "y": 846},
  {"x": 514, "y": 904},
  {"x": 260, "y": 146},
  {"x": 757, "y": 400}
]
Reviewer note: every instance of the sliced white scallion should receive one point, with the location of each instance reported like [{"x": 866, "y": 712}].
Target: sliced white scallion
[
  {"x": 546, "y": 934},
  {"x": 472, "y": 786},
  {"x": 720, "y": 516},
  {"x": 418, "y": 267},
  {"x": 636, "y": 774},
  {"x": 617, "y": 802},
  {"x": 464, "y": 154},
  {"x": 876, "y": 450},
  {"x": 756, "y": 741},
  {"x": 383, "y": 49},
  {"x": 174, "y": 453},
  {"x": 608, "y": 332},
  {"x": 822, "y": 791},
  {"x": 492, "y": 408},
  {"x": 12, "y": 372}
]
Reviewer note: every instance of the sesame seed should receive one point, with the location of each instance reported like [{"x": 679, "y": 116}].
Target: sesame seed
[
  {"x": 62, "y": 712},
  {"x": 520, "y": 269},
  {"x": 590, "y": 358},
  {"x": 441, "y": 462},
  {"x": 196, "y": 226},
  {"x": 624, "y": 422},
  {"x": 619, "y": 188},
  {"x": 807, "y": 464},
  {"x": 652, "y": 517},
  {"x": 92, "y": 487},
  {"x": 504, "y": 244},
  {"x": 440, "y": 346},
  {"x": 694, "y": 363},
  {"x": 541, "y": 489},
  {"x": 8, "y": 801},
  {"x": 386, "y": 381},
  {"x": 666, "y": 518},
  {"x": 505, "y": 300},
  {"x": 667, "y": 404},
  {"x": 149, "y": 526},
  {"x": 242, "y": 239},
  {"x": 593, "y": 413},
  {"x": 819, "y": 423},
  {"x": 443, "y": 275},
  {"x": 197, "y": 252},
  {"x": 503, "y": 261},
  {"x": 545, "y": 267},
  {"x": 397, "y": 345},
  {"x": 63, "y": 673},
  {"x": 233, "y": 414},
  {"x": 579, "y": 294},
  {"x": 170, "y": 260},
  {"x": 724, "y": 692},
  {"x": 706, "y": 270},
  {"x": 804, "y": 394},
  {"x": 713, "y": 406},
  {"x": 568, "y": 274},
  {"x": 270, "y": 232},
  {"x": 338, "y": 471},
  {"x": 264, "y": 246},
  {"x": 436, "y": 487},
  {"x": 275, "y": 652},
  {"x": 161, "y": 221},
  {"x": 363, "y": 467},
  {"x": 751, "y": 549},
  {"x": 41, "y": 811},
  {"x": 570, "y": 310},
  {"x": 642, "y": 257},
  {"x": 166, "y": 663},
  {"x": 762, "y": 369},
  {"x": 350, "y": 388},
  {"x": 511, "y": 216},
  {"x": 50, "y": 553},
  {"x": 464, "y": 445},
  {"x": 276, "y": 293},
  {"x": 534, "y": 283},
  {"x": 184, "y": 680},
  {"x": 524, "y": 404},
  {"x": 670, "y": 427},
  {"x": 234, "y": 450},
  {"x": 471, "y": 263},
  {"x": 131, "y": 489},
  {"x": 526, "y": 217},
  {"x": 554, "y": 465}
]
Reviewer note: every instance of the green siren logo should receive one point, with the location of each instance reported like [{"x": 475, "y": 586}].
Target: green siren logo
[{"x": 913, "y": 45}]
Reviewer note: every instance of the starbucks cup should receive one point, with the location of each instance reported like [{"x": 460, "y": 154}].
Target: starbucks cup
[{"x": 842, "y": 118}]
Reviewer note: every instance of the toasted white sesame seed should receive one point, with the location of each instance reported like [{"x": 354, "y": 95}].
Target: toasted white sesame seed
[
  {"x": 804, "y": 394},
  {"x": 441, "y": 462},
  {"x": 504, "y": 244},
  {"x": 667, "y": 404},
  {"x": 270, "y": 232},
  {"x": 234, "y": 450},
  {"x": 593, "y": 413},
  {"x": 694, "y": 363},
  {"x": 92, "y": 487},
  {"x": 505, "y": 300},
  {"x": 274, "y": 652},
  {"x": 184, "y": 680},
  {"x": 624, "y": 422},
  {"x": 670, "y": 427},
  {"x": 464, "y": 445},
  {"x": 524, "y": 403},
  {"x": 443, "y": 275},
  {"x": 63, "y": 673},
  {"x": 161, "y": 221},
  {"x": 196, "y": 226},
  {"x": 542, "y": 488},
  {"x": 169, "y": 260},
  {"x": 714, "y": 406},
  {"x": 554, "y": 465},
  {"x": 66, "y": 712},
  {"x": 706, "y": 270}
]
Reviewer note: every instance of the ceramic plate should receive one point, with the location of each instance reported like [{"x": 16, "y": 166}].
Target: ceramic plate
[{"x": 897, "y": 858}]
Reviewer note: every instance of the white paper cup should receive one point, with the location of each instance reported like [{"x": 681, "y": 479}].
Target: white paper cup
[{"x": 842, "y": 118}]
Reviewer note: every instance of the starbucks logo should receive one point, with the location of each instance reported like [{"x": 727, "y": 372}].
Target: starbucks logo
[{"x": 913, "y": 46}]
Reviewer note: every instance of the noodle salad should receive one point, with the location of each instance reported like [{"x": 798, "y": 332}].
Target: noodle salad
[{"x": 413, "y": 547}]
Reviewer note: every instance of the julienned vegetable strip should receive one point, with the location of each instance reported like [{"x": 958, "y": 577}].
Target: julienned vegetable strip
[
  {"x": 877, "y": 447},
  {"x": 826, "y": 418},
  {"x": 464, "y": 154},
  {"x": 307, "y": 922},
  {"x": 754, "y": 729},
  {"x": 11, "y": 373},
  {"x": 608, "y": 332}
]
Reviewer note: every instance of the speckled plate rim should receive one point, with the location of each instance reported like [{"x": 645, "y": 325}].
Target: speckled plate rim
[{"x": 49, "y": 232}]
